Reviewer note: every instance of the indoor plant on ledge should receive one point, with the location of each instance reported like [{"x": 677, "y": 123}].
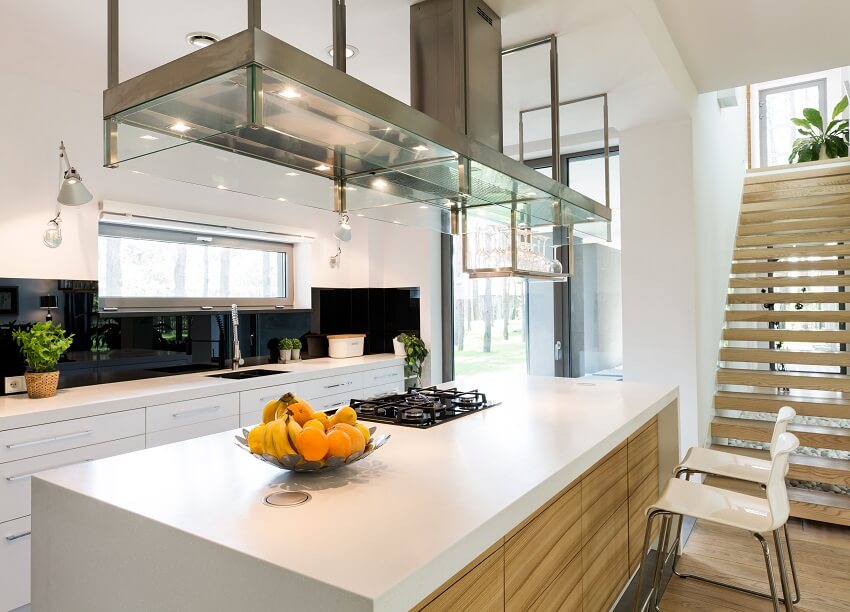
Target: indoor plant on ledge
[
  {"x": 819, "y": 143},
  {"x": 414, "y": 355},
  {"x": 42, "y": 345}
]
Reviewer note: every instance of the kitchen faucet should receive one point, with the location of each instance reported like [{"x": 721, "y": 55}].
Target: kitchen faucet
[{"x": 237, "y": 354}]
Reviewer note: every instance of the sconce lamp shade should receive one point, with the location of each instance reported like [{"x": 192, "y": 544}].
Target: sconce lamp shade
[
  {"x": 47, "y": 301},
  {"x": 343, "y": 231},
  {"x": 73, "y": 192}
]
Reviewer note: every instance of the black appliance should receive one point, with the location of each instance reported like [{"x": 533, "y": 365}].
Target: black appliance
[{"x": 421, "y": 407}]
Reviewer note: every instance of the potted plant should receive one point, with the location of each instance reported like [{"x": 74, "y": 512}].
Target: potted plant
[
  {"x": 414, "y": 355},
  {"x": 818, "y": 142},
  {"x": 285, "y": 346},
  {"x": 296, "y": 349},
  {"x": 41, "y": 345}
]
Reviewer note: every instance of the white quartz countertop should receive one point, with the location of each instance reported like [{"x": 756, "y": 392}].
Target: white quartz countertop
[
  {"x": 21, "y": 411},
  {"x": 395, "y": 526}
]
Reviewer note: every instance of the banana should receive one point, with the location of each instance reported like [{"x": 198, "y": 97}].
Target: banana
[
  {"x": 256, "y": 439},
  {"x": 276, "y": 440},
  {"x": 293, "y": 429},
  {"x": 285, "y": 401},
  {"x": 270, "y": 410}
]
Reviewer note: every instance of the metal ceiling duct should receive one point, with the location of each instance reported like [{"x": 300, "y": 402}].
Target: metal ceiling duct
[{"x": 252, "y": 114}]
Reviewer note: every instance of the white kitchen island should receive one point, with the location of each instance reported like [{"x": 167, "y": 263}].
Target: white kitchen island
[{"x": 183, "y": 527}]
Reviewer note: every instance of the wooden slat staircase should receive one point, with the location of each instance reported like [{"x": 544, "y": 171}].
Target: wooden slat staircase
[{"x": 788, "y": 285}]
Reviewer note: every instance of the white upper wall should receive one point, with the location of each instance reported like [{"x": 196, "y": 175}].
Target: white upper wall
[{"x": 727, "y": 43}]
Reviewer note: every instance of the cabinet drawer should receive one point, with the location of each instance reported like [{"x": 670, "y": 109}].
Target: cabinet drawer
[
  {"x": 249, "y": 419},
  {"x": 643, "y": 456},
  {"x": 393, "y": 387},
  {"x": 15, "y": 475},
  {"x": 187, "y": 432},
  {"x": 255, "y": 399},
  {"x": 323, "y": 387},
  {"x": 15, "y": 552},
  {"x": 332, "y": 402},
  {"x": 605, "y": 563},
  {"x": 384, "y": 376},
  {"x": 603, "y": 490},
  {"x": 53, "y": 437},
  {"x": 180, "y": 414}
]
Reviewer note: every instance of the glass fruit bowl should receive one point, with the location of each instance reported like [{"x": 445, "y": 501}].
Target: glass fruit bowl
[{"x": 296, "y": 463}]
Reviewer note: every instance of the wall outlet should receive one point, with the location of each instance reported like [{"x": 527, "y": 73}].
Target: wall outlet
[{"x": 15, "y": 384}]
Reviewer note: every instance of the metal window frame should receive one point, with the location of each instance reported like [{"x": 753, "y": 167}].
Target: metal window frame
[
  {"x": 763, "y": 93},
  {"x": 118, "y": 304}
]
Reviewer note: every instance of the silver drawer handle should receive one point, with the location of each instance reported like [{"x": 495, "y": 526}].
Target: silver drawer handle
[
  {"x": 70, "y": 436},
  {"x": 335, "y": 405},
  {"x": 268, "y": 398},
  {"x": 342, "y": 384},
  {"x": 178, "y": 415},
  {"x": 391, "y": 375},
  {"x": 18, "y": 536},
  {"x": 53, "y": 467}
]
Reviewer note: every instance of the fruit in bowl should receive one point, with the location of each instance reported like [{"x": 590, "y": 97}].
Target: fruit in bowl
[{"x": 295, "y": 437}]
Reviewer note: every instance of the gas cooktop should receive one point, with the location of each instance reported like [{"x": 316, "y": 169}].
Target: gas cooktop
[{"x": 421, "y": 407}]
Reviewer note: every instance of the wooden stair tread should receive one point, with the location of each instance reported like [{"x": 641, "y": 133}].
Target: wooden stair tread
[
  {"x": 763, "y": 282},
  {"x": 777, "y": 239},
  {"x": 827, "y": 250},
  {"x": 821, "y": 168},
  {"x": 752, "y": 355},
  {"x": 755, "y": 267},
  {"x": 789, "y": 316},
  {"x": 802, "y": 467},
  {"x": 815, "y": 212},
  {"x": 809, "y": 297},
  {"x": 769, "y": 402},
  {"x": 817, "y": 436},
  {"x": 804, "y": 225},
  {"x": 787, "y": 380},
  {"x": 786, "y": 335}
]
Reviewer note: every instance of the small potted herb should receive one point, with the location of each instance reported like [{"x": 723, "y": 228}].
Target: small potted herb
[
  {"x": 296, "y": 349},
  {"x": 285, "y": 346},
  {"x": 42, "y": 345},
  {"x": 414, "y": 355}
]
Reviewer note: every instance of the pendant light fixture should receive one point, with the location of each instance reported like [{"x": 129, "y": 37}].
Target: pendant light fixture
[
  {"x": 343, "y": 232},
  {"x": 52, "y": 236},
  {"x": 72, "y": 192}
]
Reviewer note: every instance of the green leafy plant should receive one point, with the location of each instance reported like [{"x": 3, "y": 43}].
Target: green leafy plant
[
  {"x": 42, "y": 345},
  {"x": 414, "y": 354},
  {"x": 285, "y": 344},
  {"x": 833, "y": 139},
  {"x": 296, "y": 344}
]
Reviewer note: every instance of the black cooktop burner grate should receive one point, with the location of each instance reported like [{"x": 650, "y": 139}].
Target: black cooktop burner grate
[{"x": 421, "y": 407}]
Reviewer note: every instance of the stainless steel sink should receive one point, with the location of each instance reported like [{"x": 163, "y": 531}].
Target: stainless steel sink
[{"x": 242, "y": 374}]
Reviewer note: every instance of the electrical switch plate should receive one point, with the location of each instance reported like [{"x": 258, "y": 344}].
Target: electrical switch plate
[{"x": 15, "y": 384}]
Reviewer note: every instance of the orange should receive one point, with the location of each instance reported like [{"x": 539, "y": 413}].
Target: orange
[
  {"x": 315, "y": 423},
  {"x": 358, "y": 442},
  {"x": 312, "y": 444},
  {"x": 301, "y": 412},
  {"x": 339, "y": 444}
]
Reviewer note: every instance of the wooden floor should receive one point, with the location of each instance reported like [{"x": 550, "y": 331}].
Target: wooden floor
[{"x": 822, "y": 553}]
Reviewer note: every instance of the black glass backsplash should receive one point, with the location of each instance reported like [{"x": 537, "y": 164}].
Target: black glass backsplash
[{"x": 110, "y": 348}]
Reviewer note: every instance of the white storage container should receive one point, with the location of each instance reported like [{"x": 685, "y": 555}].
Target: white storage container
[{"x": 341, "y": 346}]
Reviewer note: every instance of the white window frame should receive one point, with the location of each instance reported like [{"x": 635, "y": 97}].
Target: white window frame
[
  {"x": 763, "y": 93},
  {"x": 209, "y": 236}
]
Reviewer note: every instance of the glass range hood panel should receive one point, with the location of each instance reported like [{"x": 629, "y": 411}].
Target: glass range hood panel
[{"x": 255, "y": 115}]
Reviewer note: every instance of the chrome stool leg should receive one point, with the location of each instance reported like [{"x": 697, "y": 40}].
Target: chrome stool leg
[
  {"x": 661, "y": 558},
  {"x": 783, "y": 578},
  {"x": 793, "y": 566},
  {"x": 639, "y": 605},
  {"x": 766, "y": 550}
]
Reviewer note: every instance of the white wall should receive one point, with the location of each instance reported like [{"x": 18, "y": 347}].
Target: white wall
[
  {"x": 719, "y": 163},
  {"x": 379, "y": 255},
  {"x": 659, "y": 263}
]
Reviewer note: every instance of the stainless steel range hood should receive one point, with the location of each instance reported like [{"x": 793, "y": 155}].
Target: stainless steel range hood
[{"x": 253, "y": 114}]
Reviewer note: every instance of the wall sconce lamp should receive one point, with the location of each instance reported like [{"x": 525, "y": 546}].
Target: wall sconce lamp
[
  {"x": 72, "y": 192},
  {"x": 48, "y": 303}
]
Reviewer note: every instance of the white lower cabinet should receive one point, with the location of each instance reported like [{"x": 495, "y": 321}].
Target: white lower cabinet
[
  {"x": 249, "y": 419},
  {"x": 393, "y": 387},
  {"x": 15, "y": 553},
  {"x": 196, "y": 430},
  {"x": 15, "y": 476},
  {"x": 334, "y": 402},
  {"x": 190, "y": 412},
  {"x": 251, "y": 402}
]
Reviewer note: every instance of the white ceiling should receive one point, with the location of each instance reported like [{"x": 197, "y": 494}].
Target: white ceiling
[
  {"x": 602, "y": 48},
  {"x": 727, "y": 43}
]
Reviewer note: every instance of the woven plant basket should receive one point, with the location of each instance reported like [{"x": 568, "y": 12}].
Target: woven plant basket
[{"x": 42, "y": 384}]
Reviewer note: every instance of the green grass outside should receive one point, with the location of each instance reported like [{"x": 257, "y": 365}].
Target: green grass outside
[{"x": 505, "y": 355}]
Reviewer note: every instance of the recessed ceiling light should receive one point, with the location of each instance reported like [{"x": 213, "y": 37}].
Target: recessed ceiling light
[
  {"x": 291, "y": 174},
  {"x": 351, "y": 189},
  {"x": 359, "y": 215},
  {"x": 350, "y": 51},
  {"x": 201, "y": 39},
  {"x": 179, "y": 127},
  {"x": 323, "y": 168},
  {"x": 148, "y": 137},
  {"x": 289, "y": 93},
  {"x": 589, "y": 218},
  {"x": 281, "y": 199},
  {"x": 420, "y": 148},
  {"x": 379, "y": 183},
  {"x": 423, "y": 207},
  {"x": 399, "y": 222},
  {"x": 222, "y": 187}
]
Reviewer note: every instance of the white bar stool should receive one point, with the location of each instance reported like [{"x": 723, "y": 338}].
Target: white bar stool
[
  {"x": 729, "y": 508},
  {"x": 739, "y": 467}
]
